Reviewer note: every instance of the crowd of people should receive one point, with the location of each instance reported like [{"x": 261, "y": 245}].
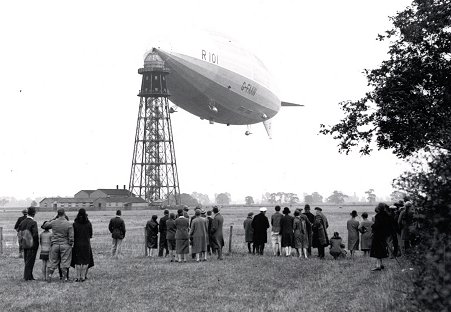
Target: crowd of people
[{"x": 68, "y": 244}]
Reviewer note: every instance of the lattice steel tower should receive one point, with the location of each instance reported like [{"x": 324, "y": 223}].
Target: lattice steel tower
[{"x": 154, "y": 169}]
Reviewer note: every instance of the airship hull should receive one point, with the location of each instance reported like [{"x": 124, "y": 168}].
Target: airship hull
[{"x": 215, "y": 92}]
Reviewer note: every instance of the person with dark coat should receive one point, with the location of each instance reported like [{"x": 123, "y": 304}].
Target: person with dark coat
[
  {"x": 163, "y": 230},
  {"x": 117, "y": 230},
  {"x": 353, "y": 233},
  {"x": 320, "y": 239},
  {"x": 170, "y": 235},
  {"x": 249, "y": 232},
  {"x": 81, "y": 252},
  {"x": 286, "y": 231},
  {"x": 405, "y": 223},
  {"x": 152, "y": 235},
  {"x": 260, "y": 224},
  {"x": 216, "y": 232},
  {"x": 16, "y": 227},
  {"x": 181, "y": 236},
  {"x": 337, "y": 248},
  {"x": 381, "y": 230},
  {"x": 210, "y": 237},
  {"x": 311, "y": 218},
  {"x": 29, "y": 224},
  {"x": 392, "y": 239}
]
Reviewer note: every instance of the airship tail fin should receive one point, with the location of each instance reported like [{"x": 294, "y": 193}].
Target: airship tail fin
[
  {"x": 267, "y": 124},
  {"x": 290, "y": 104}
]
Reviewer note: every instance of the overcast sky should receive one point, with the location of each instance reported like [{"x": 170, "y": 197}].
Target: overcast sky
[{"x": 68, "y": 104}]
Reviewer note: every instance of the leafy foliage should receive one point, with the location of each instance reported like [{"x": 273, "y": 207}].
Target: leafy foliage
[
  {"x": 337, "y": 198},
  {"x": 371, "y": 197},
  {"x": 223, "y": 198},
  {"x": 249, "y": 200},
  {"x": 430, "y": 188},
  {"x": 408, "y": 108}
]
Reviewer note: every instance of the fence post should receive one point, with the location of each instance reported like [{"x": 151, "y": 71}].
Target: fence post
[
  {"x": 1, "y": 240},
  {"x": 145, "y": 243},
  {"x": 230, "y": 239}
]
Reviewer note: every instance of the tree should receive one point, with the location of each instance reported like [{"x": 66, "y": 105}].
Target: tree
[
  {"x": 223, "y": 199},
  {"x": 371, "y": 197},
  {"x": 184, "y": 199},
  {"x": 337, "y": 198},
  {"x": 396, "y": 196},
  {"x": 308, "y": 199},
  {"x": 203, "y": 199},
  {"x": 317, "y": 198},
  {"x": 3, "y": 202},
  {"x": 249, "y": 200},
  {"x": 408, "y": 107}
]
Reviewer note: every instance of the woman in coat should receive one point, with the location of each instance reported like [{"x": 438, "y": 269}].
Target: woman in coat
[
  {"x": 249, "y": 232},
  {"x": 152, "y": 235},
  {"x": 337, "y": 247},
  {"x": 286, "y": 231},
  {"x": 199, "y": 236},
  {"x": 81, "y": 252},
  {"x": 381, "y": 229},
  {"x": 365, "y": 229},
  {"x": 170, "y": 235},
  {"x": 319, "y": 237},
  {"x": 353, "y": 233},
  {"x": 181, "y": 236},
  {"x": 300, "y": 234}
]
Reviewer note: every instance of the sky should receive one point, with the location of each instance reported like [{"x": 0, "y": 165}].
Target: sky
[{"x": 69, "y": 84}]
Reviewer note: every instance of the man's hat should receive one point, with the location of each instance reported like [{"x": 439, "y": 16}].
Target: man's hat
[
  {"x": 318, "y": 208},
  {"x": 24, "y": 211},
  {"x": 262, "y": 209},
  {"x": 286, "y": 210},
  {"x": 250, "y": 214}
]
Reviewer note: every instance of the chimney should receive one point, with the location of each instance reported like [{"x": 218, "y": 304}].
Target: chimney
[
  {"x": 117, "y": 186},
  {"x": 124, "y": 187}
]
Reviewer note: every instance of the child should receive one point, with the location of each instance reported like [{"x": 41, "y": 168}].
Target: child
[
  {"x": 337, "y": 247},
  {"x": 45, "y": 240}
]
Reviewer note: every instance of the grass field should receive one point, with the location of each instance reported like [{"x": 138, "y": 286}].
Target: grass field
[{"x": 241, "y": 282}]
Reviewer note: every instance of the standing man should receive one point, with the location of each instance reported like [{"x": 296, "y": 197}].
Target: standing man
[
  {"x": 311, "y": 219},
  {"x": 320, "y": 239},
  {"x": 163, "y": 229},
  {"x": 249, "y": 232},
  {"x": 216, "y": 232},
  {"x": 117, "y": 230},
  {"x": 62, "y": 242},
  {"x": 260, "y": 224},
  {"x": 16, "y": 227},
  {"x": 210, "y": 237},
  {"x": 276, "y": 237},
  {"x": 28, "y": 224}
]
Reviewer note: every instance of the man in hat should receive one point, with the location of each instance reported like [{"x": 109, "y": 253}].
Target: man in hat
[
  {"x": 353, "y": 233},
  {"x": 62, "y": 242},
  {"x": 249, "y": 232},
  {"x": 276, "y": 236},
  {"x": 210, "y": 237},
  {"x": 392, "y": 239},
  {"x": 311, "y": 218},
  {"x": 185, "y": 212},
  {"x": 16, "y": 227},
  {"x": 319, "y": 238},
  {"x": 260, "y": 224},
  {"x": 216, "y": 232},
  {"x": 162, "y": 230},
  {"x": 30, "y": 253}
]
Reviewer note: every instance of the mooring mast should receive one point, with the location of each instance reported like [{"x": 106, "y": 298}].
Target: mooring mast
[{"x": 154, "y": 174}]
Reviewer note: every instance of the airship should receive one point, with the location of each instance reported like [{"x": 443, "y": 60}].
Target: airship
[{"x": 216, "y": 79}]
